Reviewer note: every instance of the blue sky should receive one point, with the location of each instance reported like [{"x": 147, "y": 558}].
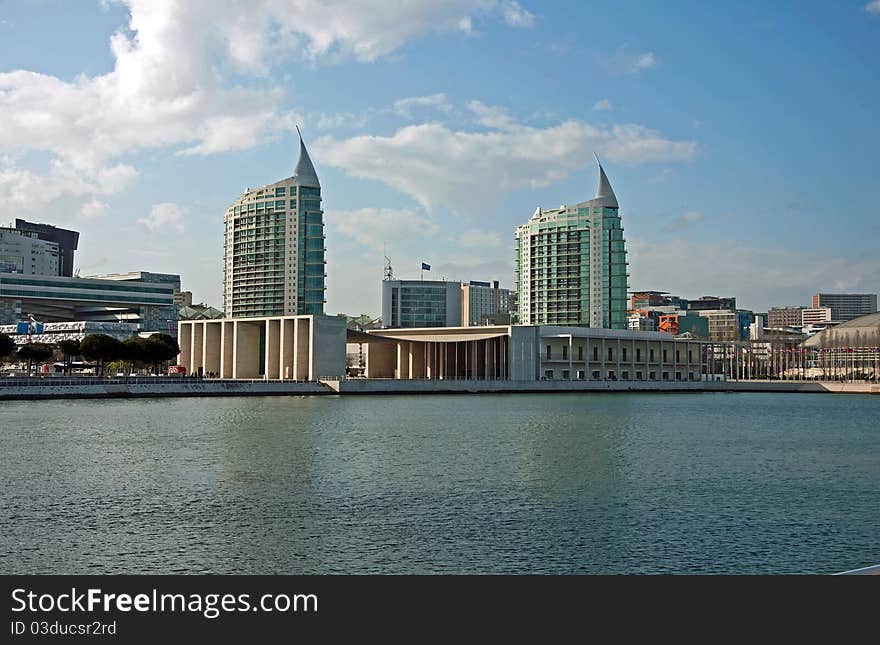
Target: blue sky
[{"x": 741, "y": 138}]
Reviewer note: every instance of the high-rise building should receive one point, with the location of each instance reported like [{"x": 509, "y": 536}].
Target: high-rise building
[
  {"x": 25, "y": 253},
  {"x": 66, "y": 240},
  {"x": 846, "y": 306},
  {"x": 274, "y": 247},
  {"x": 571, "y": 264},
  {"x": 482, "y": 301},
  {"x": 421, "y": 303}
]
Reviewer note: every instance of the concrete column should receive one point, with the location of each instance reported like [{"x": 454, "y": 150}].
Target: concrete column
[
  {"x": 197, "y": 341},
  {"x": 184, "y": 340},
  {"x": 402, "y": 360},
  {"x": 603, "y": 374},
  {"x": 287, "y": 349},
  {"x": 213, "y": 347},
  {"x": 272, "y": 358},
  {"x": 227, "y": 344},
  {"x": 417, "y": 357},
  {"x": 302, "y": 343},
  {"x": 617, "y": 373},
  {"x": 246, "y": 357}
]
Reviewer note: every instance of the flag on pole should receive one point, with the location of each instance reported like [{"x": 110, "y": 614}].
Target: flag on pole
[{"x": 426, "y": 267}]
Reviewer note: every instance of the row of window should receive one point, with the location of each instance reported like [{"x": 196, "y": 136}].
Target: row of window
[
  {"x": 549, "y": 375},
  {"x": 580, "y": 348}
]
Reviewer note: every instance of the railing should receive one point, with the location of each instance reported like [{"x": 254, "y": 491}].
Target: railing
[
  {"x": 864, "y": 571},
  {"x": 55, "y": 381}
]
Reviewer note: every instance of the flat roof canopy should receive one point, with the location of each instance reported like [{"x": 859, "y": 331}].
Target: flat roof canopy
[{"x": 441, "y": 334}]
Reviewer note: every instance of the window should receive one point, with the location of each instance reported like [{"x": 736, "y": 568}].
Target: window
[
  {"x": 690, "y": 356},
  {"x": 653, "y": 376},
  {"x": 580, "y": 352},
  {"x": 595, "y": 374},
  {"x": 624, "y": 353},
  {"x": 638, "y": 354},
  {"x": 566, "y": 375},
  {"x": 280, "y": 191},
  {"x": 678, "y": 376},
  {"x": 548, "y": 374},
  {"x": 664, "y": 356},
  {"x": 549, "y": 353},
  {"x": 581, "y": 374},
  {"x": 665, "y": 376},
  {"x": 625, "y": 376},
  {"x": 564, "y": 352},
  {"x": 677, "y": 357},
  {"x": 596, "y": 354},
  {"x": 639, "y": 376},
  {"x": 610, "y": 353},
  {"x": 652, "y": 358}
]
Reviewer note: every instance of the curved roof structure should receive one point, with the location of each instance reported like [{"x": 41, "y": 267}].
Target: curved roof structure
[
  {"x": 603, "y": 189},
  {"x": 864, "y": 329},
  {"x": 304, "y": 172}
]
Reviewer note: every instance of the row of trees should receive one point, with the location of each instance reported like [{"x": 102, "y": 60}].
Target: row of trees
[{"x": 100, "y": 348}]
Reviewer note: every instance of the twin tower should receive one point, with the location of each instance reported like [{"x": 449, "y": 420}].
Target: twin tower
[{"x": 571, "y": 266}]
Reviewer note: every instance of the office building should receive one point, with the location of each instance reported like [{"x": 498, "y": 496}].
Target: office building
[
  {"x": 571, "y": 264},
  {"x": 781, "y": 317},
  {"x": 66, "y": 240},
  {"x": 707, "y": 303},
  {"x": 817, "y": 316},
  {"x": 482, "y": 301},
  {"x": 60, "y": 299},
  {"x": 151, "y": 318},
  {"x": 421, "y": 303},
  {"x": 54, "y": 333},
  {"x": 274, "y": 247},
  {"x": 25, "y": 253},
  {"x": 846, "y": 306}
]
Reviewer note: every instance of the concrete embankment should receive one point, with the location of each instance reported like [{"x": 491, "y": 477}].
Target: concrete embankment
[{"x": 34, "y": 389}]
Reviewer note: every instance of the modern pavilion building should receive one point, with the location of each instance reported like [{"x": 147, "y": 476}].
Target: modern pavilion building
[
  {"x": 571, "y": 266},
  {"x": 274, "y": 247}
]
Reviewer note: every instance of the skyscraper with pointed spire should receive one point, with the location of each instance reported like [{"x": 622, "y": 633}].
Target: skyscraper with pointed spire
[
  {"x": 571, "y": 266},
  {"x": 274, "y": 247}
]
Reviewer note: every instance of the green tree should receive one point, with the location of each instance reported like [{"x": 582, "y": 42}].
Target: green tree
[
  {"x": 101, "y": 348},
  {"x": 134, "y": 351},
  {"x": 35, "y": 353},
  {"x": 69, "y": 348},
  {"x": 7, "y": 346},
  {"x": 159, "y": 349}
]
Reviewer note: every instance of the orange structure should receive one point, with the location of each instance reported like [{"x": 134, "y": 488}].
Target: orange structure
[{"x": 668, "y": 323}]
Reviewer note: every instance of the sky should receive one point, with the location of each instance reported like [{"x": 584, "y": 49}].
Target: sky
[{"x": 741, "y": 138}]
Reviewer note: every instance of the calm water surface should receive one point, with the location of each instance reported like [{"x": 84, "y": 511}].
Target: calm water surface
[{"x": 592, "y": 483}]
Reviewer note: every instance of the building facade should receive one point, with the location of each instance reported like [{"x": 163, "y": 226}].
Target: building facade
[
  {"x": 781, "y": 317},
  {"x": 421, "y": 303},
  {"x": 531, "y": 353},
  {"x": 846, "y": 306},
  {"x": 571, "y": 264},
  {"x": 483, "y": 301},
  {"x": 54, "y": 333},
  {"x": 66, "y": 240},
  {"x": 60, "y": 299},
  {"x": 818, "y": 316},
  {"x": 274, "y": 247},
  {"x": 152, "y": 318},
  {"x": 25, "y": 253},
  {"x": 296, "y": 348}
]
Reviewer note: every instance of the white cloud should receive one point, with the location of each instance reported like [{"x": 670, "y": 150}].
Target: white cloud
[
  {"x": 470, "y": 170},
  {"x": 342, "y": 120},
  {"x": 516, "y": 16},
  {"x": 604, "y": 104},
  {"x": 379, "y": 228},
  {"x": 684, "y": 220},
  {"x": 404, "y": 107},
  {"x": 758, "y": 277},
  {"x": 176, "y": 80},
  {"x": 492, "y": 116},
  {"x": 164, "y": 217},
  {"x": 873, "y": 7},
  {"x": 627, "y": 61},
  {"x": 93, "y": 209}
]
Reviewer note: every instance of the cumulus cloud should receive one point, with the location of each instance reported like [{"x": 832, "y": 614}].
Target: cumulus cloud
[
  {"x": 873, "y": 7},
  {"x": 684, "y": 220},
  {"x": 469, "y": 170},
  {"x": 379, "y": 228},
  {"x": 404, "y": 107},
  {"x": 629, "y": 61},
  {"x": 604, "y": 104},
  {"x": 177, "y": 79},
  {"x": 93, "y": 209},
  {"x": 516, "y": 16},
  {"x": 164, "y": 217}
]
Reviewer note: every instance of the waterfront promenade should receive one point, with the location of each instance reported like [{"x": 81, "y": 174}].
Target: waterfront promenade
[{"x": 96, "y": 388}]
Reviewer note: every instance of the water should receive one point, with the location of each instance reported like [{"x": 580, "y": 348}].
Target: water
[{"x": 592, "y": 483}]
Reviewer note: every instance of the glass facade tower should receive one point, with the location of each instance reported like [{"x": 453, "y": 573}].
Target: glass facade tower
[
  {"x": 274, "y": 247},
  {"x": 571, "y": 266}
]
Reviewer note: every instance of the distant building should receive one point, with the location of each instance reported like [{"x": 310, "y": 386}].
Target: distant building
[
  {"x": 846, "y": 306},
  {"x": 642, "y": 300},
  {"x": 707, "y": 303},
  {"x": 724, "y": 325},
  {"x": 162, "y": 319},
  {"x": 54, "y": 333},
  {"x": 198, "y": 312},
  {"x": 274, "y": 247},
  {"x": 640, "y": 322},
  {"x": 571, "y": 264},
  {"x": 66, "y": 240},
  {"x": 481, "y": 301},
  {"x": 25, "y": 253},
  {"x": 421, "y": 303},
  {"x": 817, "y": 316},
  {"x": 183, "y": 298},
  {"x": 781, "y": 317},
  {"x": 148, "y": 305}
]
